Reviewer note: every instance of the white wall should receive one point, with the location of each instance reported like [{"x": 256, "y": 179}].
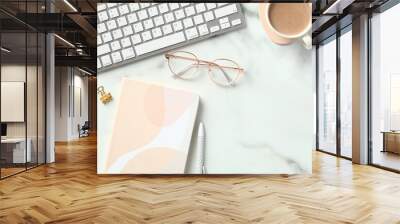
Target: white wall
[
  {"x": 33, "y": 127},
  {"x": 71, "y": 102}
]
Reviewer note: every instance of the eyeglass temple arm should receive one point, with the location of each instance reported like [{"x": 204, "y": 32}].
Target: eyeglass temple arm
[
  {"x": 202, "y": 61},
  {"x": 184, "y": 70}
]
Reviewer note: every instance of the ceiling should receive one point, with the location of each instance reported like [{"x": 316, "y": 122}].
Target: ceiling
[
  {"x": 329, "y": 16},
  {"x": 76, "y": 25}
]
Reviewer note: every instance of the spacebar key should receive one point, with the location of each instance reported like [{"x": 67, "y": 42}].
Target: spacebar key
[{"x": 159, "y": 43}]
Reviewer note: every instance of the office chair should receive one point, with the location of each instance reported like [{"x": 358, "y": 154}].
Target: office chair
[{"x": 84, "y": 130}]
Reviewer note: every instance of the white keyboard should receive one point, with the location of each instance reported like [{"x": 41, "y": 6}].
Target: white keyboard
[{"x": 127, "y": 32}]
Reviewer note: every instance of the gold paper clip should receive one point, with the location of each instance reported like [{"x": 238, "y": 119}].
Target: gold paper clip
[{"x": 104, "y": 97}]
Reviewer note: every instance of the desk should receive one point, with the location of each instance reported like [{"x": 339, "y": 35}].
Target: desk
[
  {"x": 391, "y": 142},
  {"x": 18, "y": 149},
  {"x": 262, "y": 125}
]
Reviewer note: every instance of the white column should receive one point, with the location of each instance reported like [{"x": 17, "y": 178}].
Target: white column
[
  {"x": 50, "y": 94},
  {"x": 360, "y": 90}
]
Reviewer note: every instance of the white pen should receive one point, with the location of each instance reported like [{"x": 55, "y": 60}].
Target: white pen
[{"x": 201, "y": 138}]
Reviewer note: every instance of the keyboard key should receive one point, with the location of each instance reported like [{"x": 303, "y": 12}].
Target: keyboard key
[
  {"x": 99, "y": 63},
  {"x": 211, "y": 5},
  {"x": 101, "y": 6},
  {"x": 236, "y": 22},
  {"x": 117, "y": 34},
  {"x": 138, "y": 27},
  {"x": 142, "y": 14},
  {"x": 184, "y": 4},
  {"x": 224, "y": 11},
  {"x": 103, "y": 49},
  {"x": 148, "y": 24},
  {"x": 203, "y": 29},
  {"x": 177, "y": 25},
  {"x": 160, "y": 43},
  {"x": 224, "y": 20},
  {"x": 214, "y": 29},
  {"x": 221, "y": 4},
  {"x": 158, "y": 21},
  {"x": 123, "y": 9},
  {"x": 163, "y": 7},
  {"x": 128, "y": 53},
  {"x": 144, "y": 5},
  {"x": 107, "y": 37},
  {"x": 169, "y": 17},
  {"x": 99, "y": 41},
  {"x": 225, "y": 25},
  {"x": 146, "y": 35},
  {"x": 115, "y": 45},
  {"x": 136, "y": 39},
  {"x": 156, "y": 32},
  {"x": 132, "y": 18},
  {"x": 127, "y": 30},
  {"x": 189, "y": 11},
  {"x": 106, "y": 60},
  {"x": 188, "y": 22},
  {"x": 125, "y": 42},
  {"x": 113, "y": 13},
  {"x": 179, "y": 14},
  {"x": 167, "y": 29},
  {"x": 173, "y": 6},
  {"x": 198, "y": 19},
  {"x": 101, "y": 28},
  {"x": 121, "y": 21},
  {"x": 110, "y": 5},
  {"x": 116, "y": 57},
  {"x": 209, "y": 16},
  {"x": 134, "y": 7},
  {"x": 111, "y": 24},
  {"x": 153, "y": 11},
  {"x": 191, "y": 33},
  {"x": 200, "y": 7},
  {"x": 102, "y": 16}
]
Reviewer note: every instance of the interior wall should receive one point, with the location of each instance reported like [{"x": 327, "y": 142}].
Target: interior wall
[
  {"x": 71, "y": 102},
  {"x": 17, "y": 73}
]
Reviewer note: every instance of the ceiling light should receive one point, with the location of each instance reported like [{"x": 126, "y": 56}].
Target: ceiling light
[
  {"x": 64, "y": 40},
  {"x": 84, "y": 71},
  {"x": 70, "y": 5},
  {"x": 5, "y": 49}
]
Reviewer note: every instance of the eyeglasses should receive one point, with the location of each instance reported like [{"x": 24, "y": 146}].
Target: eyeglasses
[{"x": 223, "y": 72}]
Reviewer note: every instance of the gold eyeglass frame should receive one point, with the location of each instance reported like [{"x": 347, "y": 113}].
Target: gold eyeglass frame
[{"x": 209, "y": 64}]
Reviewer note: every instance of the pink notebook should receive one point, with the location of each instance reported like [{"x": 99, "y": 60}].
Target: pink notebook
[{"x": 152, "y": 130}]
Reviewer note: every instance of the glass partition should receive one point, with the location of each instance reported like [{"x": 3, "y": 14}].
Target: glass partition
[
  {"x": 31, "y": 100},
  {"x": 41, "y": 97},
  {"x": 13, "y": 105},
  {"x": 22, "y": 101}
]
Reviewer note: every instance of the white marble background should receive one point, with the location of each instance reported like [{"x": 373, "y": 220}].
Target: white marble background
[{"x": 264, "y": 125}]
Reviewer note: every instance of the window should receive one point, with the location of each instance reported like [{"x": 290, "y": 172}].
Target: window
[
  {"x": 346, "y": 93},
  {"x": 385, "y": 89},
  {"x": 327, "y": 97}
]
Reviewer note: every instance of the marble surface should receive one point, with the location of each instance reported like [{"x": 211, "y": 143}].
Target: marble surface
[{"x": 263, "y": 125}]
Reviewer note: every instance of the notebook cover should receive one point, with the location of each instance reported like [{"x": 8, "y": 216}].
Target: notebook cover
[{"x": 152, "y": 130}]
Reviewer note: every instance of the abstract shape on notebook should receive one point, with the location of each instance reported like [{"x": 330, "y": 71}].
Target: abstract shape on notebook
[{"x": 152, "y": 130}]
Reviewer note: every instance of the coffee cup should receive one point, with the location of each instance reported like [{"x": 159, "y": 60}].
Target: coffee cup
[{"x": 286, "y": 23}]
